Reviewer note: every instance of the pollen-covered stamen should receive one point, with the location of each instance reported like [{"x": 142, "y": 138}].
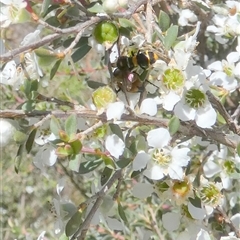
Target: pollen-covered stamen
[
  {"x": 228, "y": 70},
  {"x": 229, "y": 166},
  {"x": 210, "y": 194},
  {"x": 195, "y": 98},
  {"x": 173, "y": 79},
  {"x": 161, "y": 158}
]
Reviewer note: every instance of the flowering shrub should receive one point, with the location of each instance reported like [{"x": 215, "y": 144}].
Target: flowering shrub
[{"x": 139, "y": 100}]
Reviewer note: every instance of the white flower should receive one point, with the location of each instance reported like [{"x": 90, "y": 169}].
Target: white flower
[
  {"x": 194, "y": 105},
  {"x": 7, "y": 130},
  {"x": 11, "y": 11},
  {"x": 166, "y": 161},
  {"x": 115, "y": 145}
]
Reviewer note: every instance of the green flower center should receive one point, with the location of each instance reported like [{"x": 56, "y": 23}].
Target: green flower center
[
  {"x": 181, "y": 188},
  {"x": 228, "y": 70},
  {"x": 229, "y": 166},
  {"x": 173, "y": 79},
  {"x": 195, "y": 98},
  {"x": 161, "y": 158},
  {"x": 210, "y": 194}
]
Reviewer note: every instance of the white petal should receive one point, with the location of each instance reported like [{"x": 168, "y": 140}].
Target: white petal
[
  {"x": 171, "y": 221},
  {"x": 149, "y": 106},
  {"x": 154, "y": 173},
  {"x": 142, "y": 190},
  {"x": 175, "y": 172},
  {"x": 60, "y": 185},
  {"x": 203, "y": 235},
  {"x": 140, "y": 161},
  {"x": 196, "y": 213},
  {"x": 170, "y": 100},
  {"x": 206, "y": 117},
  {"x": 115, "y": 145},
  {"x": 180, "y": 156},
  {"x": 215, "y": 66},
  {"x": 158, "y": 138},
  {"x": 233, "y": 57},
  {"x": 210, "y": 169},
  {"x": 184, "y": 112},
  {"x": 235, "y": 219},
  {"x": 115, "y": 110}
]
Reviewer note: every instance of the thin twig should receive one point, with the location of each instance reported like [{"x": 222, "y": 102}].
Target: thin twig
[
  {"x": 228, "y": 221},
  {"x": 218, "y": 105},
  {"x": 85, "y": 225},
  {"x": 185, "y": 128}
]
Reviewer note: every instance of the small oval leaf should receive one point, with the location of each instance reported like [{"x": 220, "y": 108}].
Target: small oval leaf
[
  {"x": 89, "y": 166},
  {"x": 171, "y": 37},
  {"x": 55, "y": 126},
  {"x": 106, "y": 174},
  {"x": 71, "y": 125},
  {"x": 116, "y": 130},
  {"x": 55, "y": 68},
  {"x": 30, "y": 140},
  {"x": 73, "y": 224},
  {"x": 122, "y": 213},
  {"x": 173, "y": 125},
  {"x": 163, "y": 21}
]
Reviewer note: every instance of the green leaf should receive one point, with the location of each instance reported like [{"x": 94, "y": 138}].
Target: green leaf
[
  {"x": 18, "y": 158},
  {"x": 163, "y": 21},
  {"x": 108, "y": 162},
  {"x": 95, "y": 85},
  {"x": 238, "y": 149},
  {"x": 71, "y": 125},
  {"x": 122, "y": 163},
  {"x": 171, "y": 37},
  {"x": 82, "y": 41},
  {"x": 76, "y": 146},
  {"x": 29, "y": 87},
  {"x": 196, "y": 202},
  {"x": 106, "y": 174},
  {"x": 80, "y": 52},
  {"x": 173, "y": 125},
  {"x": 19, "y": 137},
  {"x": 28, "y": 106},
  {"x": 74, "y": 162},
  {"x": 44, "y": 9},
  {"x": 30, "y": 140},
  {"x": 55, "y": 68},
  {"x": 73, "y": 224},
  {"x": 96, "y": 8},
  {"x": 89, "y": 166},
  {"x": 55, "y": 126},
  {"x": 116, "y": 130},
  {"x": 122, "y": 213},
  {"x": 126, "y": 23}
]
